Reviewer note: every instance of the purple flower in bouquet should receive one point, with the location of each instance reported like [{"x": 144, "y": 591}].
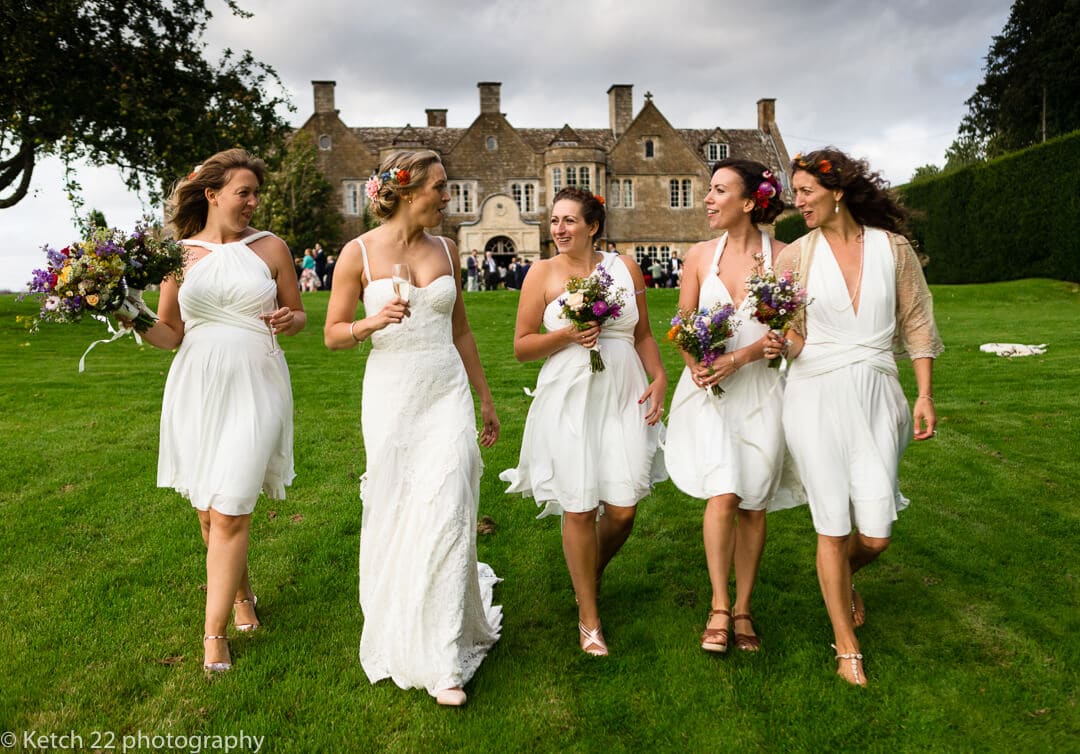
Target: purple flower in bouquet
[
  {"x": 776, "y": 300},
  {"x": 704, "y": 334},
  {"x": 589, "y": 300},
  {"x": 94, "y": 277}
]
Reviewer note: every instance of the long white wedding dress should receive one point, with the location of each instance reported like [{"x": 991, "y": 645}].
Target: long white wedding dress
[
  {"x": 428, "y": 617},
  {"x": 226, "y": 415}
]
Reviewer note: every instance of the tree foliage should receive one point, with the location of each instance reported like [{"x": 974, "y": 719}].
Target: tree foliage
[
  {"x": 297, "y": 202},
  {"x": 1032, "y": 71},
  {"x": 124, "y": 82},
  {"x": 925, "y": 171}
]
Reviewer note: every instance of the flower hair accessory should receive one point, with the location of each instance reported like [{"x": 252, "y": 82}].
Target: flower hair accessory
[
  {"x": 821, "y": 166},
  {"x": 599, "y": 198},
  {"x": 400, "y": 176},
  {"x": 766, "y": 190},
  {"x": 194, "y": 171}
]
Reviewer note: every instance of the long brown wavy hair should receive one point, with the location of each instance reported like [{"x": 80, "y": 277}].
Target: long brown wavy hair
[{"x": 866, "y": 194}]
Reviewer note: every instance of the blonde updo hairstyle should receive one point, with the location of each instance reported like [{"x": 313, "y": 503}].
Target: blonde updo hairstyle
[
  {"x": 391, "y": 193},
  {"x": 187, "y": 206}
]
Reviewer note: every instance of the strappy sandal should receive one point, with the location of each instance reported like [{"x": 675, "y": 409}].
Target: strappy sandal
[
  {"x": 594, "y": 638},
  {"x": 855, "y": 619},
  {"x": 746, "y": 642},
  {"x": 715, "y": 639},
  {"x": 247, "y": 627},
  {"x": 856, "y": 677},
  {"x": 215, "y": 668}
]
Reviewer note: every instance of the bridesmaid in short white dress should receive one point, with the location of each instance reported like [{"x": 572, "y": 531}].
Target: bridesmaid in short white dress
[
  {"x": 226, "y": 415},
  {"x": 427, "y": 603},
  {"x": 591, "y": 440},
  {"x": 728, "y": 450},
  {"x": 846, "y": 419}
]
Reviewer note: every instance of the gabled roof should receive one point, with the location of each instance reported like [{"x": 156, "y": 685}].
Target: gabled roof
[{"x": 566, "y": 137}]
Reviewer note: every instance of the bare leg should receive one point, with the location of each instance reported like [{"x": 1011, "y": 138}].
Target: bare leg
[
  {"x": 749, "y": 544},
  {"x": 861, "y": 551},
  {"x": 834, "y": 575},
  {"x": 246, "y": 611},
  {"x": 611, "y": 533},
  {"x": 580, "y": 549},
  {"x": 226, "y": 561},
  {"x": 718, "y": 533}
]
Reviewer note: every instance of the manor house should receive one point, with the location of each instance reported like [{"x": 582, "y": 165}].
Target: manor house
[{"x": 652, "y": 175}]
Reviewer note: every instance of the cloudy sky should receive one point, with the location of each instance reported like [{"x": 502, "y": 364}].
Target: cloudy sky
[{"x": 884, "y": 80}]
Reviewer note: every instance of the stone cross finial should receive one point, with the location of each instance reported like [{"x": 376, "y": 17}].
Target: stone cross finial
[{"x": 648, "y": 96}]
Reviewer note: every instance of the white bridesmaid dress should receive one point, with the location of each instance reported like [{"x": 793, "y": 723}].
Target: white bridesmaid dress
[{"x": 226, "y": 415}]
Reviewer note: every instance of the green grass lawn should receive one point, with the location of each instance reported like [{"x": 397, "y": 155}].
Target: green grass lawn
[{"x": 973, "y": 622}]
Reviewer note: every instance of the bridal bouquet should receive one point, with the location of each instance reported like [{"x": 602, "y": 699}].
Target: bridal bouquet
[
  {"x": 704, "y": 333},
  {"x": 776, "y": 301},
  {"x": 592, "y": 300},
  {"x": 104, "y": 274}
]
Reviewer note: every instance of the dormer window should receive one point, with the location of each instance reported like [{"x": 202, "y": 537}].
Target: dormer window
[{"x": 715, "y": 151}]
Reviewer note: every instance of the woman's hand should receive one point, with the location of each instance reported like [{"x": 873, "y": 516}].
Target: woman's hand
[
  {"x": 584, "y": 338},
  {"x": 490, "y": 432},
  {"x": 280, "y": 320},
  {"x": 393, "y": 313},
  {"x": 775, "y": 345},
  {"x": 654, "y": 394},
  {"x": 925, "y": 417},
  {"x": 705, "y": 377}
]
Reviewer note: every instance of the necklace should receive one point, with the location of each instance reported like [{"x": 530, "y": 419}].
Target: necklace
[{"x": 858, "y": 276}]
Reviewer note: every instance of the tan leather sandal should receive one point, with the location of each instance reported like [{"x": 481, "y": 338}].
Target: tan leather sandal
[
  {"x": 746, "y": 642},
  {"x": 716, "y": 639}
]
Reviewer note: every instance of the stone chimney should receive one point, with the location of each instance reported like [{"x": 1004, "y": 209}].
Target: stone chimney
[
  {"x": 489, "y": 96},
  {"x": 324, "y": 96},
  {"x": 766, "y": 114},
  {"x": 436, "y": 118},
  {"x": 620, "y": 108}
]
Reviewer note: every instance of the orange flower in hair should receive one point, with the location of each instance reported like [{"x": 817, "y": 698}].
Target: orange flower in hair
[
  {"x": 599, "y": 199},
  {"x": 402, "y": 176},
  {"x": 824, "y": 166}
]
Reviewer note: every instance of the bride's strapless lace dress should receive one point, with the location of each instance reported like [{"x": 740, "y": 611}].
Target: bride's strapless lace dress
[{"x": 428, "y": 617}]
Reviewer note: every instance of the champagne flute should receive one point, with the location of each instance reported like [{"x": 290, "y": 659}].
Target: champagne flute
[
  {"x": 402, "y": 280},
  {"x": 266, "y": 311}
]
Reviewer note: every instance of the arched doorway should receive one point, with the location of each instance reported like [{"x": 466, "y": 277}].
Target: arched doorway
[{"x": 502, "y": 248}]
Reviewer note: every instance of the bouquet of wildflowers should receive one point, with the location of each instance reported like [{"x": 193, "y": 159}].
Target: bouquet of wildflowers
[
  {"x": 149, "y": 258},
  {"x": 777, "y": 300},
  {"x": 593, "y": 299},
  {"x": 704, "y": 333},
  {"x": 101, "y": 275}
]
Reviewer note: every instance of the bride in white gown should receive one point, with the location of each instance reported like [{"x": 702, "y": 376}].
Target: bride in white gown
[
  {"x": 428, "y": 617},
  {"x": 226, "y": 416}
]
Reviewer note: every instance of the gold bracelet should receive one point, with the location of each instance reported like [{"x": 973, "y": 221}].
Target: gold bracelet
[
  {"x": 733, "y": 360},
  {"x": 927, "y": 397},
  {"x": 353, "y": 332}
]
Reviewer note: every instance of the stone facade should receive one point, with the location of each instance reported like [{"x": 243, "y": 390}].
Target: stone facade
[{"x": 652, "y": 175}]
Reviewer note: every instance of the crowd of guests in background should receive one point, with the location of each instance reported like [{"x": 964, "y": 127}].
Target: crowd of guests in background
[{"x": 315, "y": 270}]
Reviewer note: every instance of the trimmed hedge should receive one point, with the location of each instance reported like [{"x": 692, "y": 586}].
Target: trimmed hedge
[
  {"x": 789, "y": 228},
  {"x": 1017, "y": 216}
]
